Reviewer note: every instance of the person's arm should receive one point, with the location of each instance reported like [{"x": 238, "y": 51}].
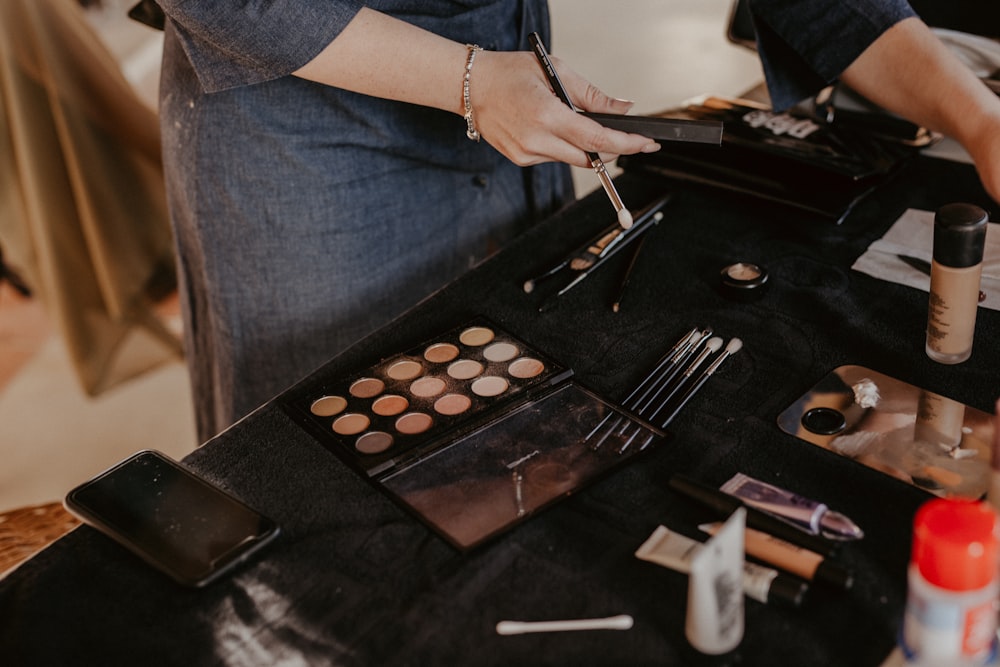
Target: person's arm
[
  {"x": 513, "y": 106},
  {"x": 910, "y": 72}
]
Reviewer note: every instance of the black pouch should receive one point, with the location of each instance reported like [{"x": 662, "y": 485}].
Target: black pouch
[{"x": 821, "y": 168}]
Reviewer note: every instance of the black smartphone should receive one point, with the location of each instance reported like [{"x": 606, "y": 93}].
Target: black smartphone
[{"x": 175, "y": 520}]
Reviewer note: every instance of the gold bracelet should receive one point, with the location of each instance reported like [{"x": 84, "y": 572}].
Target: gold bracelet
[{"x": 471, "y": 130}]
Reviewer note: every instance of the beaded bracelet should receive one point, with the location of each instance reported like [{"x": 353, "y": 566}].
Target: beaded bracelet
[{"x": 471, "y": 132}]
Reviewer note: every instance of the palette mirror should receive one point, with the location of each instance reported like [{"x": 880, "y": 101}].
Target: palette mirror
[{"x": 918, "y": 436}]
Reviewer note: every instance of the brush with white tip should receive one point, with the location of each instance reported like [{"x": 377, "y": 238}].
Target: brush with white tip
[{"x": 732, "y": 348}]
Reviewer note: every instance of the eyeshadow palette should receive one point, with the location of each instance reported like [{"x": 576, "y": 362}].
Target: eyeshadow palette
[{"x": 473, "y": 409}]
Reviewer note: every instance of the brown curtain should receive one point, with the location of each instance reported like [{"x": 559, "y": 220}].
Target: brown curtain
[{"x": 82, "y": 208}]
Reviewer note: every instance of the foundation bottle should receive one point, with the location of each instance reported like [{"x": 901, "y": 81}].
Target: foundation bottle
[{"x": 959, "y": 240}]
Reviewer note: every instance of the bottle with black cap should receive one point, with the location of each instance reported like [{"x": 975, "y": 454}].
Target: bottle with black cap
[{"x": 956, "y": 270}]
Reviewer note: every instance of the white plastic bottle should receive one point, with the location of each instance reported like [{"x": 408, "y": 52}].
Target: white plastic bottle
[{"x": 953, "y": 587}]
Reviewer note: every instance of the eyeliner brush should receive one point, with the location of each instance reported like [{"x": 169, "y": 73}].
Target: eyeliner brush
[
  {"x": 732, "y": 348},
  {"x": 624, "y": 217},
  {"x": 617, "y": 303}
]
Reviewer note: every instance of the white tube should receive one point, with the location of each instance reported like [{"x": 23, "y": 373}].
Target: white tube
[
  {"x": 675, "y": 551},
  {"x": 714, "y": 623}
]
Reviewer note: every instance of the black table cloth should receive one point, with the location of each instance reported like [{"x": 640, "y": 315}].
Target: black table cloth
[{"x": 355, "y": 580}]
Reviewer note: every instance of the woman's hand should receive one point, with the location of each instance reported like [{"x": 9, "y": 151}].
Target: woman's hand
[
  {"x": 908, "y": 70},
  {"x": 512, "y": 104},
  {"x": 517, "y": 112}
]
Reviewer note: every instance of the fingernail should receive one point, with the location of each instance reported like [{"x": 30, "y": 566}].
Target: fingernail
[{"x": 651, "y": 148}]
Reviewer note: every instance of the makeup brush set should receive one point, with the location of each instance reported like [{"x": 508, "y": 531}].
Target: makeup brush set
[
  {"x": 667, "y": 389},
  {"x": 589, "y": 257}
]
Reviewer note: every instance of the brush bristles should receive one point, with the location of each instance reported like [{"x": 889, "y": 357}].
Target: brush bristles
[{"x": 624, "y": 218}]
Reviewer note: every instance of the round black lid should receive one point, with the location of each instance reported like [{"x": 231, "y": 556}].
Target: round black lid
[{"x": 959, "y": 235}]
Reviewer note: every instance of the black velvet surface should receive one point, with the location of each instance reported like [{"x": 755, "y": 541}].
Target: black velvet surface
[{"x": 354, "y": 580}]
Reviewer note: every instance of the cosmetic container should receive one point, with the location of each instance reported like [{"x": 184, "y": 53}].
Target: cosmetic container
[
  {"x": 951, "y": 607},
  {"x": 714, "y": 621},
  {"x": 763, "y": 584},
  {"x": 956, "y": 270}
]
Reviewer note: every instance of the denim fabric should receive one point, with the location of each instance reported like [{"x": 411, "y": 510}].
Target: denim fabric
[
  {"x": 804, "y": 45},
  {"x": 305, "y": 216}
]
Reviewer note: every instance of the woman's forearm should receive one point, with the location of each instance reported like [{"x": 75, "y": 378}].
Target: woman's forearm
[
  {"x": 513, "y": 106},
  {"x": 381, "y": 56},
  {"x": 911, "y": 72}
]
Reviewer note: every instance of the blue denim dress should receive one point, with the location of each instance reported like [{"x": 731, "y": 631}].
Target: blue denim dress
[
  {"x": 306, "y": 216},
  {"x": 804, "y": 45}
]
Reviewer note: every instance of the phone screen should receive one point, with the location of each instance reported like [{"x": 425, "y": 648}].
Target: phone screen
[{"x": 172, "y": 518}]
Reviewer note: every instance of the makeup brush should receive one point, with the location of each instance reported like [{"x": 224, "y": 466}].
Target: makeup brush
[
  {"x": 617, "y": 303},
  {"x": 668, "y": 359},
  {"x": 667, "y": 368},
  {"x": 624, "y": 217},
  {"x": 732, "y": 348},
  {"x": 711, "y": 347}
]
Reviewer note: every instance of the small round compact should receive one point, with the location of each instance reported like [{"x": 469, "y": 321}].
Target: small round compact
[{"x": 743, "y": 281}]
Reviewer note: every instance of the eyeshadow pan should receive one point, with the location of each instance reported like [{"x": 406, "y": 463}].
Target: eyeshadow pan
[
  {"x": 367, "y": 387},
  {"x": 390, "y": 404},
  {"x": 374, "y": 442},
  {"x": 490, "y": 385},
  {"x": 426, "y": 387},
  {"x": 414, "y": 422},
  {"x": 404, "y": 370},
  {"x": 440, "y": 353},
  {"x": 501, "y": 352},
  {"x": 328, "y": 406},
  {"x": 465, "y": 369},
  {"x": 476, "y": 336},
  {"x": 525, "y": 367},
  {"x": 351, "y": 424},
  {"x": 452, "y": 404}
]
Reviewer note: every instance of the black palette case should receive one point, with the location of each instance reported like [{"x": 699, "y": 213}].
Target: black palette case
[{"x": 473, "y": 431}]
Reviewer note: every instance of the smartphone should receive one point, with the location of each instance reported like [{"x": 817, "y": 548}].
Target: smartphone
[{"x": 173, "y": 519}]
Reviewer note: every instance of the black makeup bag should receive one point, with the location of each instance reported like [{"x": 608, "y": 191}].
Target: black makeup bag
[{"x": 820, "y": 168}]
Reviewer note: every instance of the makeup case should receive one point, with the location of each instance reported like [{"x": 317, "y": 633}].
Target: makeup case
[
  {"x": 472, "y": 432},
  {"x": 820, "y": 168}
]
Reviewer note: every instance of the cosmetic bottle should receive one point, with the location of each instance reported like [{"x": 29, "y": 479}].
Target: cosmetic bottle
[
  {"x": 952, "y": 585},
  {"x": 956, "y": 269},
  {"x": 714, "y": 621}
]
